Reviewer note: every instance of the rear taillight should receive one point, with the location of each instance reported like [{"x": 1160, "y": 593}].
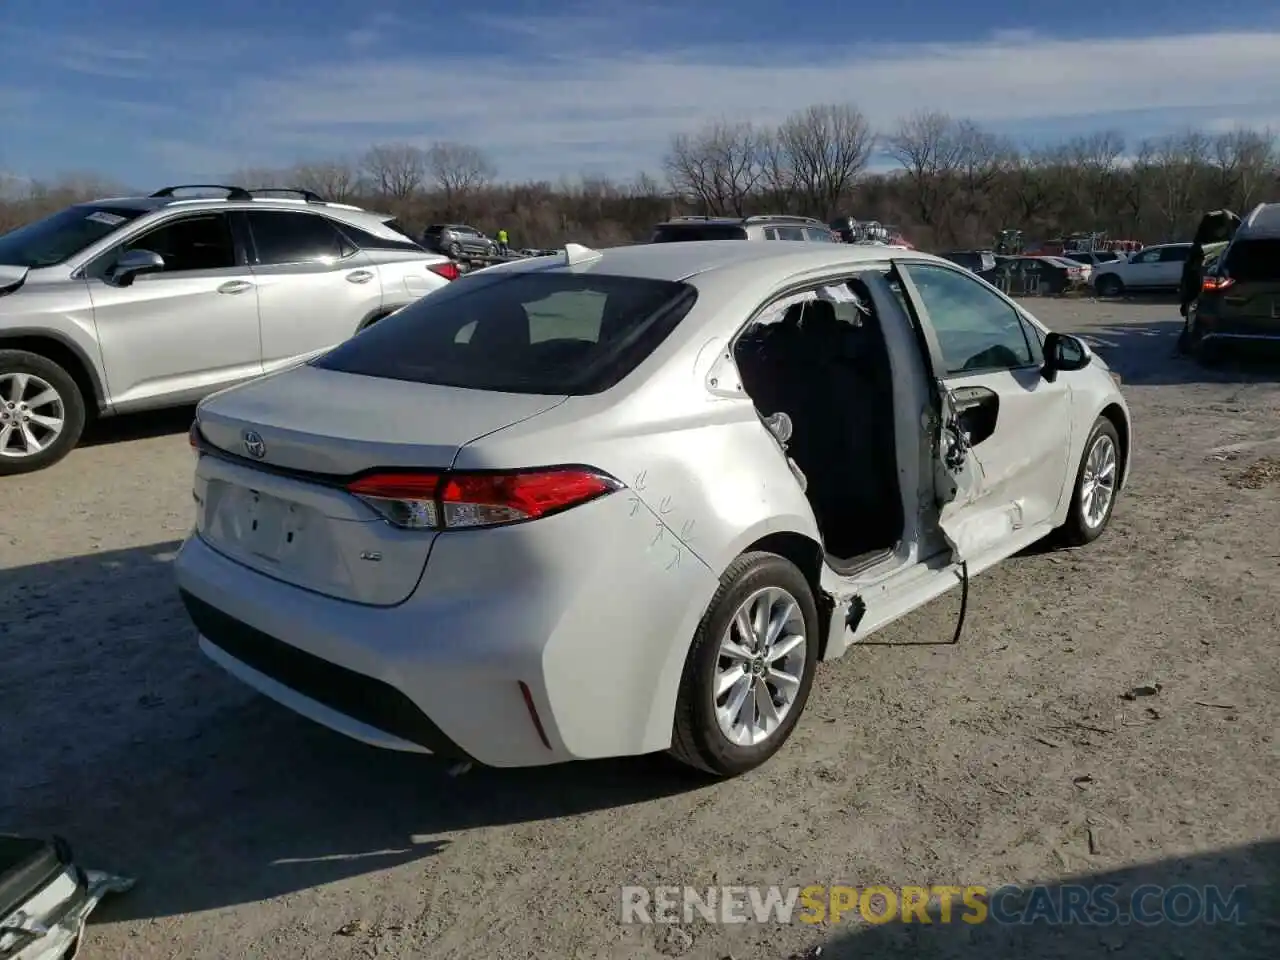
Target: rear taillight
[
  {"x": 194, "y": 436},
  {"x": 1210, "y": 284},
  {"x": 448, "y": 501},
  {"x": 449, "y": 271}
]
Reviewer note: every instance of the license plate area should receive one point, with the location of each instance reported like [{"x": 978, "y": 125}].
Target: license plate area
[{"x": 271, "y": 527}]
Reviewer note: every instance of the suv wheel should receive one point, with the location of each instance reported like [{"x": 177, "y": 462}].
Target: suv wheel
[
  {"x": 1109, "y": 285},
  {"x": 42, "y": 413},
  {"x": 455, "y": 249}
]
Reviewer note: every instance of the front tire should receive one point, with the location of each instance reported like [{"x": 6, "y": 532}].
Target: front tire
[
  {"x": 1109, "y": 285},
  {"x": 750, "y": 668},
  {"x": 1097, "y": 483},
  {"x": 42, "y": 412}
]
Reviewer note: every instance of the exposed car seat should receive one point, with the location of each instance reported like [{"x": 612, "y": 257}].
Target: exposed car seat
[{"x": 832, "y": 379}]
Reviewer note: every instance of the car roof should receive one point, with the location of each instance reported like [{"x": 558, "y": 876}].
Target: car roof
[{"x": 680, "y": 261}]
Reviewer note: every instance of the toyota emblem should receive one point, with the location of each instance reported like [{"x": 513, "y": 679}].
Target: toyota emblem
[{"x": 253, "y": 444}]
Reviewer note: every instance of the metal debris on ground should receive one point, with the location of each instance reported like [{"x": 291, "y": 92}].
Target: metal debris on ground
[
  {"x": 1095, "y": 847},
  {"x": 54, "y": 898},
  {"x": 1142, "y": 690}
]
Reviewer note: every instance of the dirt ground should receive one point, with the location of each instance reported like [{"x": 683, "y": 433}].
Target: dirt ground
[{"x": 1011, "y": 757}]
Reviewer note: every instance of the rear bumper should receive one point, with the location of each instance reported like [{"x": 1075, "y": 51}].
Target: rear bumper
[
  {"x": 1238, "y": 329},
  {"x": 579, "y": 608}
]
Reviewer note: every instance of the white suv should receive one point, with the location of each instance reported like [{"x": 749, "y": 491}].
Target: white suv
[
  {"x": 135, "y": 303},
  {"x": 1152, "y": 268}
]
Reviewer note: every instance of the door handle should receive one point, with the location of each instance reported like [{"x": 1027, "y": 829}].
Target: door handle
[
  {"x": 359, "y": 276},
  {"x": 235, "y": 286}
]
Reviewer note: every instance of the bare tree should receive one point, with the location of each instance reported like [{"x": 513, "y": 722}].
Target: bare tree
[
  {"x": 827, "y": 146},
  {"x": 1178, "y": 165},
  {"x": 719, "y": 168},
  {"x": 458, "y": 169},
  {"x": 928, "y": 147},
  {"x": 395, "y": 170},
  {"x": 331, "y": 179},
  {"x": 1243, "y": 161},
  {"x": 777, "y": 175}
]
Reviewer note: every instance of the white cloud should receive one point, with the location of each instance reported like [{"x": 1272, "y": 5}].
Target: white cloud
[
  {"x": 582, "y": 99},
  {"x": 618, "y": 111}
]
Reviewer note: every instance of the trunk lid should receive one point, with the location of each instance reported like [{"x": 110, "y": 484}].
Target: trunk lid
[
  {"x": 1251, "y": 308},
  {"x": 281, "y": 509}
]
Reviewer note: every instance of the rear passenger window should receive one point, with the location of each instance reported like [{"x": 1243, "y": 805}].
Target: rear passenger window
[
  {"x": 790, "y": 233},
  {"x": 283, "y": 237}
]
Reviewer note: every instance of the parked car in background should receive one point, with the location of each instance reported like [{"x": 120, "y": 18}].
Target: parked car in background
[
  {"x": 1077, "y": 272},
  {"x": 135, "y": 303},
  {"x": 1152, "y": 268},
  {"x": 457, "y": 240},
  {"x": 762, "y": 227},
  {"x": 1093, "y": 258},
  {"x": 976, "y": 261},
  {"x": 1035, "y": 275},
  {"x": 1239, "y": 302},
  {"x": 545, "y": 546}
]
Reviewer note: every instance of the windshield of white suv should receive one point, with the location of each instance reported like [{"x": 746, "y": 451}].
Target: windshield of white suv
[{"x": 64, "y": 234}]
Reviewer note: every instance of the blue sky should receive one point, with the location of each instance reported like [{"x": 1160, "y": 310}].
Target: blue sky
[{"x": 144, "y": 91}]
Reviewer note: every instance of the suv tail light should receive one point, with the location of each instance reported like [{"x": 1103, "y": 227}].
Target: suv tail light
[
  {"x": 450, "y": 501},
  {"x": 1211, "y": 284},
  {"x": 448, "y": 270}
]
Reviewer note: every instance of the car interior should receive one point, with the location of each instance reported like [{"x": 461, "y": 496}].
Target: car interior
[{"x": 824, "y": 364}]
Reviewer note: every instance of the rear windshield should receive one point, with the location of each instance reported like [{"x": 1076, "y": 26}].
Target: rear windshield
[
  {"x": 1252, "y": 261},
  {"x": 64, "y": 234},
  {"x": 705, "y": 231},
  {"x": 546, "y": 333}
]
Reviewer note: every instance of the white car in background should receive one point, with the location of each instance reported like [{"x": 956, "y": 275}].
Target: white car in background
[
  {"x": 1151, "y": 268},
  {"x": 625, "y": 501}
]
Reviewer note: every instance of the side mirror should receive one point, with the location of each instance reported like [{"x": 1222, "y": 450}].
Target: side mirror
[
  {"x": 135, "y": 262},
  {"x": 1063, "y": 352}
]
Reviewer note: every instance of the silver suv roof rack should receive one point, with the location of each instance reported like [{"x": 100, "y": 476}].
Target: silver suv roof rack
[
  {"x": 306, "y": 195},
  {"x": 784, "y": 218},
  {"x": 233, "y": 193}
]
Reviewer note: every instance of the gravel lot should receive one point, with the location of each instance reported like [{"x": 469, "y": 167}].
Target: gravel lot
[{"x": 256, "y": 834}]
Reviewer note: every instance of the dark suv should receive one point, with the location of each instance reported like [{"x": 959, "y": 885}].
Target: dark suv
[
  {"x": 765, "y": 227},
  {"x": 1239, "y": 300},
  {"x": 457, "y": 240}
]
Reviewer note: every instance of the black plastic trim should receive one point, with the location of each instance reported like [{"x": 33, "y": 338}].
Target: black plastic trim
[{"x": 364, "y": 699}]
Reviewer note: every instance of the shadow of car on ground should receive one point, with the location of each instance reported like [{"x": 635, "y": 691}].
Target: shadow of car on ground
[
  {"x": 1223, "y": 904},
  {"x": 155, "y": 764}
]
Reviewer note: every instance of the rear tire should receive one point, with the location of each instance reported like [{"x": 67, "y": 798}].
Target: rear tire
[
  {"x": 754, "y": 582},
  {"x": 1097, "y": 476},
  {"x": 1109, "y": 285},
  {"x": 40, "y": 400}
]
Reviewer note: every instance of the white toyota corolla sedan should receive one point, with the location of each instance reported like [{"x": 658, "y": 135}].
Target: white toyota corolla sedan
[{"x": 622, "y": 501}]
